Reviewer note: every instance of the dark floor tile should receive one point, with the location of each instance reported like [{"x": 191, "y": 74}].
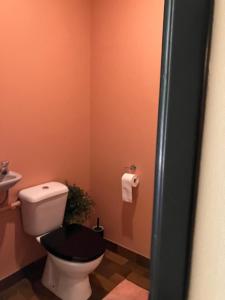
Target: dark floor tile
[
  {"x": 116, "y": 258},
  {"x": 98, "y": 292},
  {"x": 20, "y": 291},
  {"x": 42, "y": 292},
  {"x": 104, "y": 282},
  {"x": 135, "y": 267},
  {"x": 108, "y": 268},
  {"x": 117, "y": 278},
  {"x": 139, "y": 280}
]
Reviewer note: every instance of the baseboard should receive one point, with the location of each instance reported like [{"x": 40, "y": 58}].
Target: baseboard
[
  {"x": 32, "y": 272},
  {"x": 129, "y": 254}
]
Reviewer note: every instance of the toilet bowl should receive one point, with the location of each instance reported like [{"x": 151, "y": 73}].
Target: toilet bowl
[
  {"x": 69, "y": 280},
  {"x": 74, "y": 251}
]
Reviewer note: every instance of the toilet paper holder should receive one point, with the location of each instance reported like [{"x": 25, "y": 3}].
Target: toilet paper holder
[{"x": 131, "y": 169}]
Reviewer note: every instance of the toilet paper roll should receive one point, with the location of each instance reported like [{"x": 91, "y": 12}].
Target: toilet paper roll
[{"x": 128, "y": 182}]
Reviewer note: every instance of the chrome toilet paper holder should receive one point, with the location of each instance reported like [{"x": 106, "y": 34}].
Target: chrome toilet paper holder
[{"x": 131, "y": 169}]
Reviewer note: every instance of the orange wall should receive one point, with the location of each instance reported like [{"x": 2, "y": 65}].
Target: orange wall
[
  {"x": 126, "y": 51},
  {"x": 44, "y": 105},
  {"x": 45, "y": 102}
]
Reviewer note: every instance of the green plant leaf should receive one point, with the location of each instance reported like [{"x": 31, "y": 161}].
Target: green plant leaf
[{"x": 79, "y": 205}]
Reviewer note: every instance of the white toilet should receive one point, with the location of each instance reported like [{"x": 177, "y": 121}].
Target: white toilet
[{"x": 74, "y": 251}]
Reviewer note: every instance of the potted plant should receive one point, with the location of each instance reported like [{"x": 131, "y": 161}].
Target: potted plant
[{"x": 79, "y": 205}]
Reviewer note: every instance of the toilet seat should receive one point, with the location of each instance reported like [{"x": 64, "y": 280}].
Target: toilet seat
[{"x": 74, "y": 242}]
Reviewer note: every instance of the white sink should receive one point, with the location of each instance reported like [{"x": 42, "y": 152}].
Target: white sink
[{"x": 9, "y": 180}]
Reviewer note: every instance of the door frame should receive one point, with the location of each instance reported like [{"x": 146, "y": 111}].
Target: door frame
[{"x": 184, "y": 69}]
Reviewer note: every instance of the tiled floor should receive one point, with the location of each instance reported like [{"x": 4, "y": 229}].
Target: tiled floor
[
  {"x": 127, "y": 290},
  {"x": 113, "y": 270}
]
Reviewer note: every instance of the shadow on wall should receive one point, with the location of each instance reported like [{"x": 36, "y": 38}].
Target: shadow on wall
[
  {"x": 128, "y": 211},
  {"x": 15, "y": 243}
]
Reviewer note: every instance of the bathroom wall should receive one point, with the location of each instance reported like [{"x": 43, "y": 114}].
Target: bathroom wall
[
  {"x": 66, "y": 66},
  {"x": 44, "y": 105},
  {"x": 126, "y": 54},
  {"x": 208, "y": 259}
]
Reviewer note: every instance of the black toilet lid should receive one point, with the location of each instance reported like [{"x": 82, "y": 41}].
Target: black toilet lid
[{"x": 75, "y": 243}]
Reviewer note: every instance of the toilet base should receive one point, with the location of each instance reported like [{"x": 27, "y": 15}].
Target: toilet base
[
  {"x": 67, "y": 290},
  {"x": 68, "y": 280}
]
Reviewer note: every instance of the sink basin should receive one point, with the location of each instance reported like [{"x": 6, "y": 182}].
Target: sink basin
[{"x": 9, "y": 180}]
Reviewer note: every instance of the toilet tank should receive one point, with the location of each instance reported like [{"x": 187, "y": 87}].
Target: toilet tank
[{"x": 43, "y": 207}]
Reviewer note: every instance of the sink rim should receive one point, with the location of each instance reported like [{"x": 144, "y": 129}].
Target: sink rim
[{"x": 8, "y": 183}]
